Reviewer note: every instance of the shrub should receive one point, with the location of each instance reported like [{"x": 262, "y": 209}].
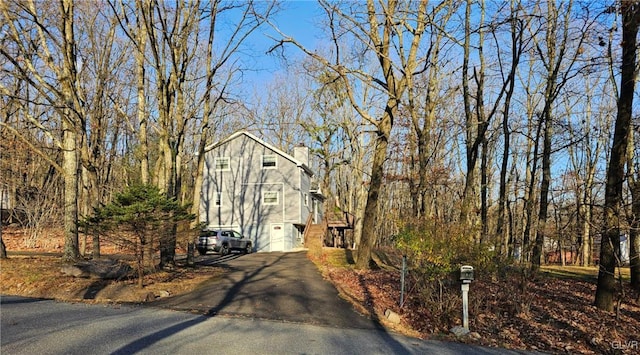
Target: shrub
[
  {"x": 435, "y": 251},
  {"x": 137, "y": 220}
]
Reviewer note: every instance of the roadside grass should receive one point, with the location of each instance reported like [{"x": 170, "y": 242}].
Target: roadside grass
[
  {"x": 586, "y": 273},
  {"x": 337, "y": 257}
]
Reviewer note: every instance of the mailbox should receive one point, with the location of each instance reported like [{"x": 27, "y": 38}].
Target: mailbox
[{"x": 466, "y": 273}]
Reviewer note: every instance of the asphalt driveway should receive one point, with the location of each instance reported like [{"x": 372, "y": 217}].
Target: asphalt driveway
[{"x": 275, "y": 286}]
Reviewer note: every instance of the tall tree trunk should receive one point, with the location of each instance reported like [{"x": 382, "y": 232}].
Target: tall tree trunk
[
  {"x": 633, "y": 178},
  {"x": 141, "y": 102},
  {"x": 610, "y": 244},
  {"x": 468, "y": 195},
  {"x": 70, "y": 166},
  {"x": 70, "y": 134},
  {"x": 3, "y": 248},
  {"x": 367, "y": 244},
  {"x": 484, "y": 191},
  {"x": 536, "y": 254},
  {"x": 531, "y": 179},
  {"x": 585, "y": 232},
  {"x": 517, "y": 32},
  {"x": 553, "y": 58},
  {"x": 634, "y": 238}
]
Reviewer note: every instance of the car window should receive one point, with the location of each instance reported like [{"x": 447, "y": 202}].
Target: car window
[
  {"x": 224, "y": 234},
  {"x": 237, "y": 235}
]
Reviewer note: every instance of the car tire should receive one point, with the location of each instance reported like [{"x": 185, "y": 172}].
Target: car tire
[
  {"x": 248, "y": 249},
  {"x": 224, "y": 250}
]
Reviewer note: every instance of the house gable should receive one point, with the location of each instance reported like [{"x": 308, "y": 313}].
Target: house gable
[
  {"x": 268, "y": 146},
  {"x": 252, "y": 186}
]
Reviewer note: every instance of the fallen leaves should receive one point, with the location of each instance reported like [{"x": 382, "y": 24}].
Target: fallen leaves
[{"x": 545, "y": 313}]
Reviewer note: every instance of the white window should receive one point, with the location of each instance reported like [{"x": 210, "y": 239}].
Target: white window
[
  {"x": 222, "y": 164},
  {"x": 270, "y": 197},
  {"x": 217, "y": 198},
  {"x": 269, "y": 161}
]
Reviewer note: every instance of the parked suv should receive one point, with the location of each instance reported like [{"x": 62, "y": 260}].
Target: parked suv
[{"x": 222, "y": 241}]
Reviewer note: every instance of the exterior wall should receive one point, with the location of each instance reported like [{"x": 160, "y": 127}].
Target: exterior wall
[
  {"x": 305, "y": 198},
  {"x": 241, "y": 189}
]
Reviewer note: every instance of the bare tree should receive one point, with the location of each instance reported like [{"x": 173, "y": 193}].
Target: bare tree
[
  {"x": 423, "y": 105},
  {"x": 610, "y": 244},
  {"x": 516, "y": 30},
  {"x": 33, "y": 35},
  {"x": 169, "y": 44},
  {"x": 383, "y": 31},
  {"x": 559, "y": 52}
]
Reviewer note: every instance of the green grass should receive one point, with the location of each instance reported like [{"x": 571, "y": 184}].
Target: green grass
[{"x": 580, "y": 272}]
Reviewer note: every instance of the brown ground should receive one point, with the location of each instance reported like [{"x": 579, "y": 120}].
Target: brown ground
[{"x": 545, "y": 313}]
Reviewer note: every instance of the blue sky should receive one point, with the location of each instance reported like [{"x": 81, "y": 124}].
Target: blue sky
[{"x": 297, "y": 19}]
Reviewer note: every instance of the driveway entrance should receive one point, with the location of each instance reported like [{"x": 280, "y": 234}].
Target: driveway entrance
[{"x": 276, "y": 286}]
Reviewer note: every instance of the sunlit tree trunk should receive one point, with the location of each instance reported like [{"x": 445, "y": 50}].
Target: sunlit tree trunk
[
  {"x": 610, "y": 244},
  {"x": 141, "y": 102},
  {"x": 70, "y": 133},
  {"x": 517, "y": 31},
  {"x": 3, "y": 248}
]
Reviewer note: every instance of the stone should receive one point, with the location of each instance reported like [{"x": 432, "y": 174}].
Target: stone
[
  {"x": 74, "y": 271},
  {"x": 150, "y": 297},
  {"x": 459, "y": 331},
  {"x": 392, "y": 316},
  {"x": 100, "y": 269},
  {"x": 163, "y": 294}
]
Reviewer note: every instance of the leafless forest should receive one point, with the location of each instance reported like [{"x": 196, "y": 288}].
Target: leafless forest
[{"x": 500, "y": 128}]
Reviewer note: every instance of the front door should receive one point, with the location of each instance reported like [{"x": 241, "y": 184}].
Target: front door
[{"x": 277, "y": 237}]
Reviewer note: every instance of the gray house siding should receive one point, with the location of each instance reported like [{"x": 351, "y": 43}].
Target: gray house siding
[{"x": 256, "y": 189}]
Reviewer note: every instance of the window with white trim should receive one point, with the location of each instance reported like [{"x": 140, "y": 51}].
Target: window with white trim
[
  {"x": 269, "y": 161},
  {"x": 270, "y": 197},
  {"x": 222, "y": 163}
]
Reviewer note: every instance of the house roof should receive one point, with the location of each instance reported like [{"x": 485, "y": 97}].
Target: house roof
[{"x": 262, "y": 142}]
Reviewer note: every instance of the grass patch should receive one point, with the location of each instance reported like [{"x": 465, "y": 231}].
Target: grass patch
[
  {"x": 339, "y": 257},
  {"x": 588, "y": 273}
]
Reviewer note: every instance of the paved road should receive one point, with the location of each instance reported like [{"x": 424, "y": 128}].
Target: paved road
[
  {"x": 35, "y": 326},
  {"x": 267, "y": 303},
  {"x": 275, "y": 286}
]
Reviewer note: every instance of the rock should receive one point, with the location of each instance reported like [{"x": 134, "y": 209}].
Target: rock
[
  {"x": 392, "y": 316},
  {"x": 163, "y": 294},
  {"x": 475, "y": 335},
  {"x": 111, "y": 271},
  {"x": 74, "y": 271},
  {"x": 459, "y": 331},
  {"x": 150, "y": 297},
  {"x": 101, "y": 269}
]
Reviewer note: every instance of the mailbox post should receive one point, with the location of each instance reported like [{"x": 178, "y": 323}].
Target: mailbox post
[{"x": 466, "y": 276}]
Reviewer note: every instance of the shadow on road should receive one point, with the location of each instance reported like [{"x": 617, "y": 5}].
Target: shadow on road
[
  {"x": 14, "y": 300},
  {"x": 144, "y": 342},
  {"x": 285, "y": 287}
]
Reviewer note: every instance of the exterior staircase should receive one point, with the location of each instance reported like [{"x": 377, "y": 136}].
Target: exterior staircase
[{"x": 314, "y": 236}]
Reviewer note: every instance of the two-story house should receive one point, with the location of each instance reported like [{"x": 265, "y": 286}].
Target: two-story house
[{"x": 260, "y": 191}]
